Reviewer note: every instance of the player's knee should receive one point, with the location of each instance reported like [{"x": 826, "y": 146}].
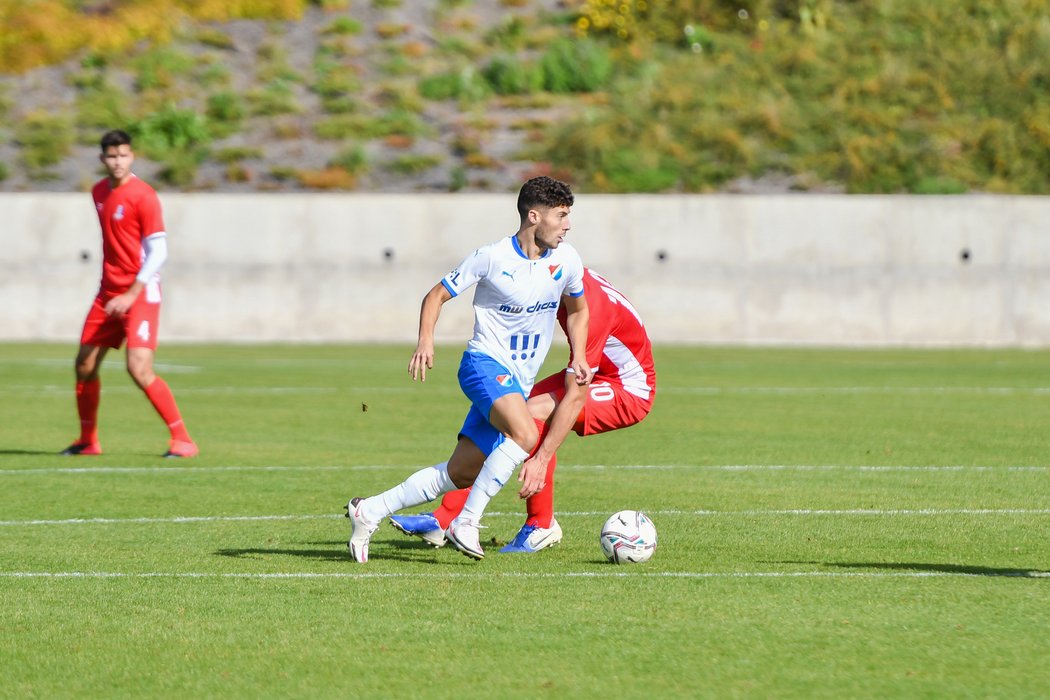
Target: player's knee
[
  {"x": 526, "y": 437},
  {"x": 462, "y": 476},
  {"x": 86, "y": 368},
  {"x": 142, "y": 374}
]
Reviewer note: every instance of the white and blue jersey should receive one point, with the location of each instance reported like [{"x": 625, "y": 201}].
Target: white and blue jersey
[{"x": 516, "y": 302}]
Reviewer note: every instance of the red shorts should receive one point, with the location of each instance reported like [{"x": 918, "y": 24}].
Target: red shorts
[
  {"x": 608, "y": 407},
  {"x": 138, "y": 325}
]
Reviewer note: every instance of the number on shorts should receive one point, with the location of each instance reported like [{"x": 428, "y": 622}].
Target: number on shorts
[
  {"x": 602, "y": 391},
  {"x": 143, "y": 331}
]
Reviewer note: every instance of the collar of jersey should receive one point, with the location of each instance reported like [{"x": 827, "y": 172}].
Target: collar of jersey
[{"x": 517, "y": 248}]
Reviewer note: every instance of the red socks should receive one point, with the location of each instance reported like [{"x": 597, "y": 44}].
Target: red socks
[
  {"x": 164, "y": 401},
  {"x": 540, "y": 508},
  {"x": 87, "y": 408},
  {"x": 450, "y": 506}
]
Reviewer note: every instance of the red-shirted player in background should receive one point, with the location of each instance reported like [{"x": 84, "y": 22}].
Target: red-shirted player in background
[
  {"x": 620, "y": 395},
  {"x": 127, "y": 307}
]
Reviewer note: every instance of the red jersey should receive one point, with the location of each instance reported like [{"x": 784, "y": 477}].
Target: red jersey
[
  {"x": 127, "y": 214},
  {"x": 618, "y": 347}
]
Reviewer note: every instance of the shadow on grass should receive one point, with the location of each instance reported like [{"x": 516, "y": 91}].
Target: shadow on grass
[
  {"x": 403, "y": 550},
  {"x": 958, "y": 569},
  {"x": 52, "y": 453},
  {"x": 93, "y": 459}
]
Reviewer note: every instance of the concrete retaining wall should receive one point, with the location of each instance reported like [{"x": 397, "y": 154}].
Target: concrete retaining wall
[{"x": 792, "y": 269}]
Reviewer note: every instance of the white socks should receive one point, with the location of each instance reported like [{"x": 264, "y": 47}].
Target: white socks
[
  {"x": 497, "y": 471},
  {"x": 425, "y": 485}
]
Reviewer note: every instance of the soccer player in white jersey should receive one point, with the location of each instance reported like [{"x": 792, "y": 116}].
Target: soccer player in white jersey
[
  {"x": 521, "y": 282},
  {"x": 621, "y": 394}
]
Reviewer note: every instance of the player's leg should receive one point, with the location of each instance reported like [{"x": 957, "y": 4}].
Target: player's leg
[
  {"x": 542, "y": 402},
  {"x": 430, "y": 527},
  {"x": 497, "y": 396},
  {"x": 422, "y": 486},
  {"x": 99, "y": 334},
  {"x": 510, "y": 416},
  {"x": 453, "y": 502},
  {"x": 541, "y": 530},
  {"x": 539, "y": 507},
  {"x": 88, "y": 394},
  {"x": 546, "y": 397},
  {"x": 451, "y": 505},
  {"x": 541, "y": 405},
  {"x": 141, "y": 328}
]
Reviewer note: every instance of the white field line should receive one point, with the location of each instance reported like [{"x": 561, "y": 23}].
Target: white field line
[
  {"x": 240, "y": 362},
  {"x": 185, "y": 470},
  {"x": 810, "y": 467},
  {"x": 802, "y": 512},
  {"x": 567, "y": 467},
  {"x": 525, "y": 575},
  {"x": 713, "y": 390},
  {"x": 68, "y": 362}
]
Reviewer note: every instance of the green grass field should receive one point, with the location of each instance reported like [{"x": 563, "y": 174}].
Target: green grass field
[{"x": 833, "y": 523}]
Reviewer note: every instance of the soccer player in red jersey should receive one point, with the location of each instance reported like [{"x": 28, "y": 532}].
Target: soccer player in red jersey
[
  {"x": 620, "y": 395},
  {"x": 127, "y": 307}
]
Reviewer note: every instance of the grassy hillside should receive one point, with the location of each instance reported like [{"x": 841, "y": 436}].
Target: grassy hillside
[{"x": 693, "y": 95}]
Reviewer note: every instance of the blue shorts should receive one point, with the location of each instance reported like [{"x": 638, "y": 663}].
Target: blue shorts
[{"x": 484, "y": 380}]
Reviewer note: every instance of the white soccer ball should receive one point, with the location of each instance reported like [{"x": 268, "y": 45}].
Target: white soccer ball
[{"x": 628, "y": 537}]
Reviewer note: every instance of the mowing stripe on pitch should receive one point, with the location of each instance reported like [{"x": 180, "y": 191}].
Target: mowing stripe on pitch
[{"x": 715, "y": 390}]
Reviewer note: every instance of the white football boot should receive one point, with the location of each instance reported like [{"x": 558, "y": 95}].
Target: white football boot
[
  {"x": 463, "y": 535},
  {"x": 360, "y": 531}
]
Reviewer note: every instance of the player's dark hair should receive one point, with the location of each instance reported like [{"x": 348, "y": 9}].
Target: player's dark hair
[
  {"x": 115, "y": 137},
  {"x": 543, "y": 191}
]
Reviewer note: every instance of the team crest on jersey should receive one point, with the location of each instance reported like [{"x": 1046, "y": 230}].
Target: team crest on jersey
[
  {"x": 504, "y": 379},
  {"x": 119, "y": 213},
  {"x": 556, "y": 271}
]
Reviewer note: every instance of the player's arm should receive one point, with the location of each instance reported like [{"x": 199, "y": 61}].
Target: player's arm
[
  {"x": 156, "y": 249},
  {"x": 533, "y": 472},
  {"x": 576, "y": 320},
  {"x": 423, "y": 357}
]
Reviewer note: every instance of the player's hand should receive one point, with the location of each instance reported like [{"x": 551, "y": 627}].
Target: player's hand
[
  {"x": 119, "y": 305},
  {"x": 422, "y": 360},
  {"x": 584, "y": 373},
  {"x": 532, "y": 476}
]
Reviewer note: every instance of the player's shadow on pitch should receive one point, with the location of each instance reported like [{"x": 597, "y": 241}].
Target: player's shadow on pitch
[
  {"x": 958, "y": 569},
  {"x": 404, "y": 550},
  {"x": 52, "y": 453},
  {"x": 262, "y": 552}
]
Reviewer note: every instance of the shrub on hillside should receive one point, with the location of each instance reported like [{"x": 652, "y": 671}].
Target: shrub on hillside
[
  {"x": 225, "y": 111},
  {"x": 45, "y": 141},
  {"x": 576, "y": 66},
  {"x": 507, "y": 75},
  {"x": 178, "y": 139}
]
